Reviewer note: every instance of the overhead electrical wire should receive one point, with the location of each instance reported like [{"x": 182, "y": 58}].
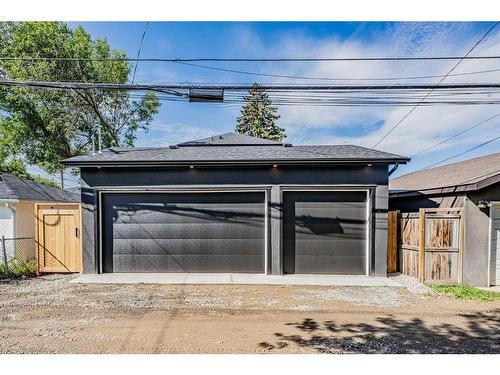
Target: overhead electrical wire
[
  {"x": 441, "y": 80},
  {"x": 455, "y": 135},
  {"x": 463, "y": 152},
  {"x": 159, "y": 87},
  {"x": 329, "y": 78},
  {"x": 139, "y": 51},
  {"x": 246, "y": 59}
]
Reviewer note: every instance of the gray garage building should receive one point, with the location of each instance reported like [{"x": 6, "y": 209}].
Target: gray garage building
[{"x": 236, "y": 204}]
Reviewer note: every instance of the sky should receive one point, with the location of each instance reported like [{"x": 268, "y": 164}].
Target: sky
[{"x": 182, "y": 121}]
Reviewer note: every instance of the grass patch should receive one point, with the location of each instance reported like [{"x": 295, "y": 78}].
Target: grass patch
[
  {"x": 18, "y": 269},
  {"x": 466, "y": 292}
]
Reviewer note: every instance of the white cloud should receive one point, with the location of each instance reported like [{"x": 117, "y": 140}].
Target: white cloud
[
  {"x": 166, "y": 134},
  {"x": 426, "y": 125}
]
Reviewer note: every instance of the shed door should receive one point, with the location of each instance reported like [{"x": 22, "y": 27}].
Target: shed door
[
  {"x": 325, "y": 232},
  {"x": 184, "y": 232},
  {"x": 58, "y": 238},
  {"x": 495, "y": 246}
]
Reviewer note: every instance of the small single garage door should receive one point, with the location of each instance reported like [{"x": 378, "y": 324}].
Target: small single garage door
[
  {"x": 324, "y": 232},
  {"x": 184, "y": 232}
]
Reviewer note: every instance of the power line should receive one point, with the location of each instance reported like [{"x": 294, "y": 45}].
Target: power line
[
  {"x": 282, "y": 59},
  {"x": 329, "y": 78},
  {"x": 277, "y": 88},
  {"x": 139, "y": 51},
  {"x": 463, "y": 152},
  {"x": 455, "y": 135},
  {"x": 441, "y": 80}
]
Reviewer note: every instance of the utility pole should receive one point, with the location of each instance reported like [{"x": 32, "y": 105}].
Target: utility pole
[{"x": 62, "y": 178}]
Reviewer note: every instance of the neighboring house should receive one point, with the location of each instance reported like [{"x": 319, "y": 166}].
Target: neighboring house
[
  {"x": 233, "y": 203},
  {"x": 473, "y": 185},
  {"x": 17, "y": 199}
]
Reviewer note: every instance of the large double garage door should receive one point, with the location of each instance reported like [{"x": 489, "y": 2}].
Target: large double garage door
[
  {"x": 184, "y": 232},
  {"x": 322, "y": 232}
]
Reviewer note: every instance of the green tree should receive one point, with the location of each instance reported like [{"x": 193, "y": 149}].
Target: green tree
[
  {"x": 44, "y": 126},
  {"x": 258, "y": 116},
  {"x": 17, "y": 168}
]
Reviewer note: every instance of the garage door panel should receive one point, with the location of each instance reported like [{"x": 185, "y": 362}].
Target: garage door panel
[
  {"x": 328, "y": 264},
  {"x": 184, "y": 232},
  {"x": 192, "y": 246},
  {"x": 186, "y": 214},
  {"x": 325, "y": 232},
  {"x": 186, "y": 263},
  {"x": 330, "y": 247}
]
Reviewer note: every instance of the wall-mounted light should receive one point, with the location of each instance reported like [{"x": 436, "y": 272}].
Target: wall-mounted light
[
  {"x": 483, "y": 204},
  {"x": 275, "y": 165},
  {"x": 369, "y": 164},
  {"x": 191, "y": 166}
]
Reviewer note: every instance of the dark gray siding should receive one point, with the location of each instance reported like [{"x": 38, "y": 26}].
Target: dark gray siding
[
  {"x": 324, "y": 232},
  {"x": 184, "y": 232},
  {"x": 272, "y": 179},
  {"x": 477, "y": 236},
  {"x": 351, "y": 175}
]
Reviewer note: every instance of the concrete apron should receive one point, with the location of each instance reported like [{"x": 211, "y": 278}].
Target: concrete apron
[{"x": 241, "y": 279}]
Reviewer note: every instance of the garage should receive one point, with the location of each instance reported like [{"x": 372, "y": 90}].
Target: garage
[
  {"x": 325, "y": 232},
  {"x": 184, "y": 232},
  {"x": 232, "y": 203}
]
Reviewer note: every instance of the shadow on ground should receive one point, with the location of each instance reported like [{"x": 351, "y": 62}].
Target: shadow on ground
[{"x": 479, "y": 333}]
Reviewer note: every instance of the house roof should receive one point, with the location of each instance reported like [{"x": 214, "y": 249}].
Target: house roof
[
  {"x": 469, "y": 174},
  {"x": 230, "y": 139},
  {"x": 231, "y": 148},
  {"x": 13, "y": 187}
]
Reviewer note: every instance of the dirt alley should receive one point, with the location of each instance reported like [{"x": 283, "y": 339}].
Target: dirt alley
[{"x": 51, "y": 315}]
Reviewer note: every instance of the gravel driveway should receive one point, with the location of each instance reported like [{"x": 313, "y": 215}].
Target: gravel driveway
[{"x": 50, "y": 315}]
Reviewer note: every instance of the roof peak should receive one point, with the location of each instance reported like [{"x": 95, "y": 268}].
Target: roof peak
[{"x": 231, "y": 139}]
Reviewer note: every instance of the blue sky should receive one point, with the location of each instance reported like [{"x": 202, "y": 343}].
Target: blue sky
[{"x": 316, "y": 125}]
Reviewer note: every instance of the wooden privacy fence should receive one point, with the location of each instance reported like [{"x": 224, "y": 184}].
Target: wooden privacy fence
[{"x": 430, "y": 244}]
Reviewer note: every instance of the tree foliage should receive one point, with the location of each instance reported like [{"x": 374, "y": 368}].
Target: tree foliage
[
  {"x": 17, "y": 168},
  {"x": 44, "y": 126},
  {"x": 258, "y": 116}
]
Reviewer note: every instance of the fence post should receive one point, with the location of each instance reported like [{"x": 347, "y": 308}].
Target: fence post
[
  {"x": 4, "y": 253},
  {"x": 421, "y": 245}
]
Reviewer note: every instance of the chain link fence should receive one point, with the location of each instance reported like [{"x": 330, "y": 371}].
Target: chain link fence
[{"x": 17, "y": 256}]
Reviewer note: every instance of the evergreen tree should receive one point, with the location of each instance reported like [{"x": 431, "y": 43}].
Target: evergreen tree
[{"x": 259, "y": 115}]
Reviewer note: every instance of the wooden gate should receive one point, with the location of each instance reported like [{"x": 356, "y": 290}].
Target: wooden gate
[
  {"x": 431, "y": 245},
  {"x": 58, "y": 238}
]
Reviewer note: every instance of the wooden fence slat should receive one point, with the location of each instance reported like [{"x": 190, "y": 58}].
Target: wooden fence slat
[
  {"x": 421, "y": 246},
  {"x": 392, "y": 241}
]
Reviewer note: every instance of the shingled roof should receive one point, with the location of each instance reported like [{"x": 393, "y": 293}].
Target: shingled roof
[
  {"x": 13, "y": 187},
  {"x": 471, "y": 174},
  {"x": 230, "y": 139},
  {"x": 231, "y": 148}
]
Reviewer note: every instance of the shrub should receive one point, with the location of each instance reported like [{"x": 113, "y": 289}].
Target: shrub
[{"x": 18, "y": 269}]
